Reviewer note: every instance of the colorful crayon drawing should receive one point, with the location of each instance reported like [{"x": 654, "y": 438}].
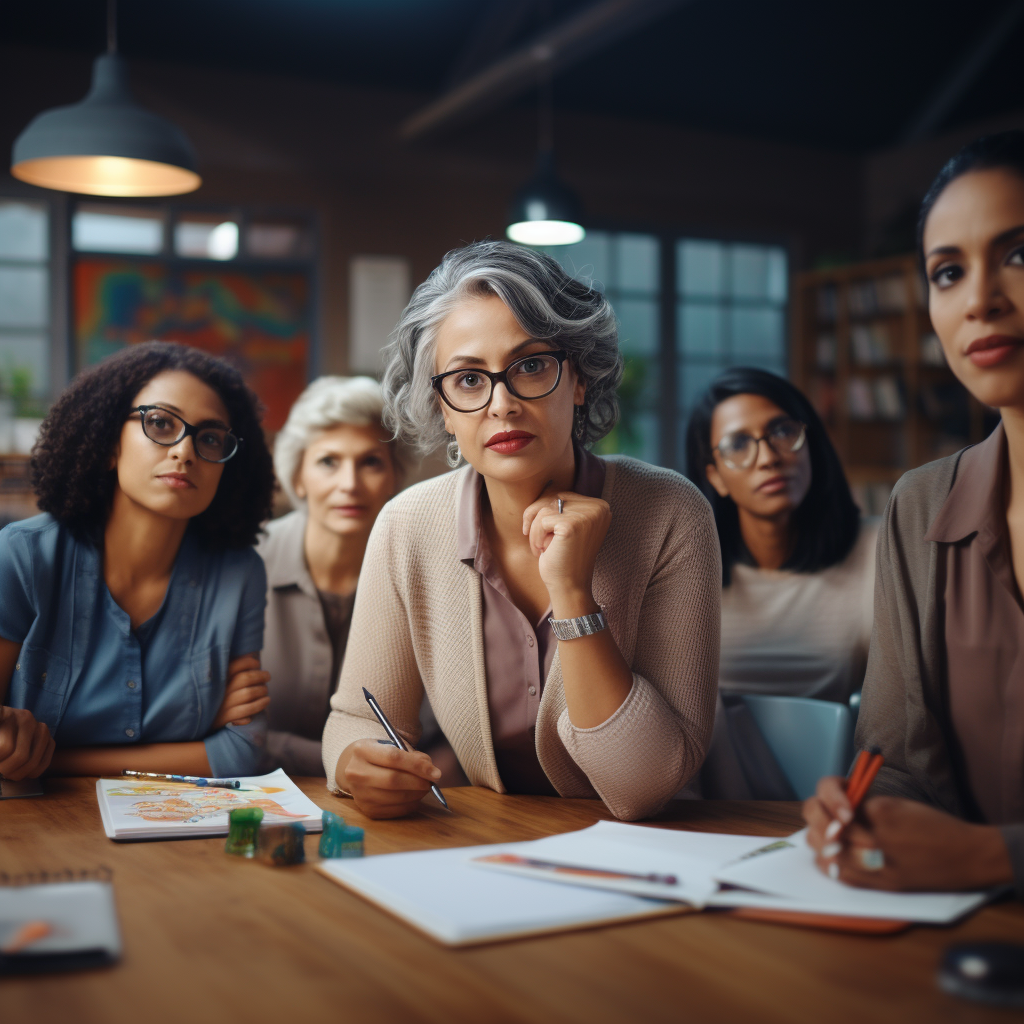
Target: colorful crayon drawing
[
  {"x": 182, "y": 803},
  {"x": 259, "y": 320}
]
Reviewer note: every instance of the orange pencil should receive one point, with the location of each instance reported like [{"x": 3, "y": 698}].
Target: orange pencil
[
  {"x": 863, "y": 773},
  {"x": 856, "y": 794},
  {"x": 853, "y": 779}
]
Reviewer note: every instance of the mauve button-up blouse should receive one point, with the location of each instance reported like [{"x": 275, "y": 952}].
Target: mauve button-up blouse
[
  {"x": 984, "y": 631},
  {"x": 517, "y": 652}
]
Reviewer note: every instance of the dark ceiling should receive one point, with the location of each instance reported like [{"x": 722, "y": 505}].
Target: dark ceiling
[{"x": 850, "y": 76}]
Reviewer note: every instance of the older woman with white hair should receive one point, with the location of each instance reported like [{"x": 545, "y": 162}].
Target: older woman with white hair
[
  {"x": 338, "y": 467},
  {"x": 561, "y": 611}
]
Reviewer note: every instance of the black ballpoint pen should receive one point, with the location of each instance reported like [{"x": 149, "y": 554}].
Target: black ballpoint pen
[{"x": 395, "y": 738}]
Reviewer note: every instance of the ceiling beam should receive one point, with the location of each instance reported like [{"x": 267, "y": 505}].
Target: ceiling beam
[
  {"x": 553, "y": 50},
  {"x": 940, "y": 105}
]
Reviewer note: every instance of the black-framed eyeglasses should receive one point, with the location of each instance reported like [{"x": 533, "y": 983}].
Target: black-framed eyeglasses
[
  {"x": 214, "y": 444},
  {"x": 784, "y": 436},
  {"x": 532, "y": 377}
]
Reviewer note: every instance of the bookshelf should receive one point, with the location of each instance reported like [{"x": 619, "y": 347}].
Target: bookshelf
[{"x": 864, "y": 352}]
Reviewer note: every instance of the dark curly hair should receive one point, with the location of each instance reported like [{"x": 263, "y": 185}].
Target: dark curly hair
[{"x": 71, "y": 470}]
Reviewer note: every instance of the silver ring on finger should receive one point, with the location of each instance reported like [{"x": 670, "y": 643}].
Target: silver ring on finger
[
  {"x": 561, "y": 506},
  {"x": 871, "y": 860}
]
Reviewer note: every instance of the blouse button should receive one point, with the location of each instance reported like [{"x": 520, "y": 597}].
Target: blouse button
[
  {"x": 529, "y": 640},
  {"x": 129, "y": 733},
  {"x": 18, "y": 666},
  {"x": 532, "y": 690},
  {"x": 43, "y": 677},
  {"x": 131, "y": 684}
]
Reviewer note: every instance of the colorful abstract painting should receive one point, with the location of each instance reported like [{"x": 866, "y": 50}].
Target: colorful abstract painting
[{"x": 258, "y": 320}]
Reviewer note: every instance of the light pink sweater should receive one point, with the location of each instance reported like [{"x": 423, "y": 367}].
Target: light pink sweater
[{"x": 417, "y": 624}]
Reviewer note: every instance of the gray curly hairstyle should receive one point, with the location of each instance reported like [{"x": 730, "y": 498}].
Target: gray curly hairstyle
[{"x": 546, "y": 302}]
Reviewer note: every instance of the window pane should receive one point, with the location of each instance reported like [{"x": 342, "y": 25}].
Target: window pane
[
  {"x": 206, "y": 240},
  {"x": 700, "y": 268},
  {"x": 749, "y": 272},
  {"x": 24, "y": 296},
  {"x": 694, "y": 379},
  {"x": 638, "y": 325},
  {"x": 637, "y": 263},
  {"x": 25, "y": 364},
  {"x": 757, "y": 332},
  {"x": 589, "y": 260},
  {"x": 700, "y": 326},
  {"x": 646, "y": 438},
  {"x": 277, "y": 241},
  {"x": 778, "y": 275},
  {"x": 134, "y": 231},
  {"x": 23, "y": 231}
]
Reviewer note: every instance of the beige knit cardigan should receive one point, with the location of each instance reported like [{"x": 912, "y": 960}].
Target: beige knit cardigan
[{"x": 418, "y": 625}]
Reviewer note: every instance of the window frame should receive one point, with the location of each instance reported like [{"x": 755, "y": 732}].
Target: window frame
[{"x": 671, "y": 452}]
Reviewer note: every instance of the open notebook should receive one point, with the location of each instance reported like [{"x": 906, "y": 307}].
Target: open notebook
[
  {"x": 614, "y": 872},
  {"x": 153, "y": 809}
]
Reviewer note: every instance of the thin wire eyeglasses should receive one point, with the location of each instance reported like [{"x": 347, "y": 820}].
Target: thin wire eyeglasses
[
  {"x": 529, "y": 378},
  {"x": 739, "y": 450},
  {"x": 212, "y": 444}
]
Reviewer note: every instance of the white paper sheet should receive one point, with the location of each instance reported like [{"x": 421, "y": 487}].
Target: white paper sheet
[
  {"x": 443, "y": 894},
  {"x": 151, "y": 809},
  {"x": 692, "y": 858},
  {"x": 787, "y": 878}
]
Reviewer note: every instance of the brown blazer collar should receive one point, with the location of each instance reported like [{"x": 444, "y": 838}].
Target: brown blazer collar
[{"x": 975, "y": 500}]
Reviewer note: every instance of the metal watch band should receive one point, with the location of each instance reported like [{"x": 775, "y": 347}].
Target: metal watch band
[{"x": 573, "y": 629}]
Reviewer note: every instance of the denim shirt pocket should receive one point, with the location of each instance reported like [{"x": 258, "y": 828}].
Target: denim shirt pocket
[
  {"x": 40, "y": 684},
  {"x": 209, "y": 681}
]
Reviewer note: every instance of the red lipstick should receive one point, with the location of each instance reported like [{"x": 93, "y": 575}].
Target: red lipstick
[
  {"x": 509, "y": 441},
  {"x": 993, "y": 350}
]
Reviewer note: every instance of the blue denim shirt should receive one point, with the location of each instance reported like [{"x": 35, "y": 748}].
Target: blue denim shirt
[{"x": 94, "y": 680}]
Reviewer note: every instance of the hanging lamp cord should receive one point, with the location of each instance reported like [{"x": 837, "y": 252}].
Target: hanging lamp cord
[{"x": 111, "y": 26}]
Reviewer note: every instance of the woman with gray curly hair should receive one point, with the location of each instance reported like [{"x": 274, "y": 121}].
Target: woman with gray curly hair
[
  {"x": 561, "y": 611},
  {"x": 337, "y": 466}
]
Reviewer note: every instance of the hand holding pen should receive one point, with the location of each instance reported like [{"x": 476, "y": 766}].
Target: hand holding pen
[
  {"x": 384, "y": 778},
  {"x": 831, "y": 815},
  {"x": 897, "y": 844}
]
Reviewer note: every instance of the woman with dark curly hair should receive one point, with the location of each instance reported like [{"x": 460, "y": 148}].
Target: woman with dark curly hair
[
  {"x": 561, "y": 611},
  {"x": 132, "y": 612}
]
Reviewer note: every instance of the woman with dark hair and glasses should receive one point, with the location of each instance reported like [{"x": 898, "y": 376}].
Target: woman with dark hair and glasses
[
  {"x": 132, "y": 614},
  {"x": 559, "y": 610},
  {"x": 798, "y": 564}
]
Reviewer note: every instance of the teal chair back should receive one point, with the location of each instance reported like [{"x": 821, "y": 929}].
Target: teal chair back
[{"x": 809, "y": 738}]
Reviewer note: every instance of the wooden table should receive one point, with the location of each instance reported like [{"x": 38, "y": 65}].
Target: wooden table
[{"x": 209, "y": 937}]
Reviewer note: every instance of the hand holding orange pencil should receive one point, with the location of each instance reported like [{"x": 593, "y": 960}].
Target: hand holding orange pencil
[{"x": 858, "y": 783}]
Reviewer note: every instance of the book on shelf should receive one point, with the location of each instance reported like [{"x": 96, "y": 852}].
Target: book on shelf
[
  {"x": 878, "y": 296},
  {"x": 877, "y": 399},
  {"x": 826, "y": 351},
  {"x": 872, "y": 344}
]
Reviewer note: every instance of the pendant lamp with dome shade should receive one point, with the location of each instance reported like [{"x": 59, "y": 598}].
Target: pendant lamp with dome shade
[
  {"x": 545, "y": 211},
  {"x": 107, "y": 144}
]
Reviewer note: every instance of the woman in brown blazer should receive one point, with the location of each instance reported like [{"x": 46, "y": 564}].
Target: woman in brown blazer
[{"x": 944, "y": 693}]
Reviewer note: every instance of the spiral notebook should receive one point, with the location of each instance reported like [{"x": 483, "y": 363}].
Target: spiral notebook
[{"x": 55, "y": 924}]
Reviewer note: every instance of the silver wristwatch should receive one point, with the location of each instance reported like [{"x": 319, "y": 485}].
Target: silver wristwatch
[{"x": 573, "y": 629}]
